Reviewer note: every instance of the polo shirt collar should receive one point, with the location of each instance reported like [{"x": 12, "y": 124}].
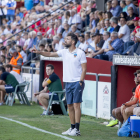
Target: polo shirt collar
[{"x": 75, "y": 51}]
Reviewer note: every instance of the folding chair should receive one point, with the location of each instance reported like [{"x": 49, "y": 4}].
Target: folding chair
[
  {"x": 21, "y": 94},
  {"x": 60, "y": 94}
]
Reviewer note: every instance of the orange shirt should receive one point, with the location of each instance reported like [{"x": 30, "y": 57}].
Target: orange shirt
[{"x": 137, "y": 93}]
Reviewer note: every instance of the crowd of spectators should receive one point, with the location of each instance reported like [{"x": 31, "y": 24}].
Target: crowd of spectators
[{"x": 100, "y": 34}]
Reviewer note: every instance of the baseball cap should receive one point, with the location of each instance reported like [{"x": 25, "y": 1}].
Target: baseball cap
[
  {"x": 39, "y": 33},
  {"x": 12, "y": 50},
  {"x": 95, "y": 34},
  {"x": 136, "y": 19}
]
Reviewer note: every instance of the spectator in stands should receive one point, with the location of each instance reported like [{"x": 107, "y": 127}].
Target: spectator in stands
[
  {"x": 123, "y": 14},
  {"x": 127, "y": 108},
  {"x": 92, "y": 24},
  {"x": 137, "y": 26},
  {"x": 67, "y": 30},
  {"x": 124, "y": 31},
  {"x": 9, "y": 69},
  {"x": 129, "y": 3},
  {"x": 115, "y": 45},
  {"x": 39, "y": 39},
  {"x": 2, "y": 59},
  {"x": 130, "y": 18},
  {"x": 3, "y": 11},
  {"x": 19, "y": 13},
  {"x": 19, "y": 40},
  {"x": 108, "y": 15},
  {"x": 123, "y": 5},
  {"x": 107, "y": 25},
  {"x": 7, "y": 83},
  {"x": 67, "y": 17},
  {"x": 106, "y": 37},
  {"x": 108, "y": 6},
  {"x": 83, "y": 44},
  {"x": 8, "y": 59},
  {"x": 7, "y": 30},
  {"x": 73, "y": 28},
  {"x": 53, "y": 83},
  {"x": 116, "y": 9},
  {"x": 24, "y": 55},
  {"x": 87, "y": 37},
  {"x": 41, "y": 47},
  {"x": 100, "y": 16},
  {"x": 57, "y": 44},
  {"x": 16, "y": 61},
  {"x": 48, "y": 48},
  {"x": 114, "y": 24},
  {"x": 32, "y": 43},
  {"x": 3, "y": 38},
  {"x": 75, "y": 19},
  {"x": 10, "y": 6},
  {"x": 102, "y": 27}
]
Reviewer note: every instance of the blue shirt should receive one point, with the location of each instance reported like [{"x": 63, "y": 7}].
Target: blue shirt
[
  {"x": 111, "y": 30},
  {"x": 11, "y": 4},
  {"x": 93, "y": 24},
  {"x": 36, "y": 1},
  {"x": 42, "y": 3},
  {"x": 20, "y": 15},
  {"x": 116, "y": 11},
  {"x": 117, "y": 44}
]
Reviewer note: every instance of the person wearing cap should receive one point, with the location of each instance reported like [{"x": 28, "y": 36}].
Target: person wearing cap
[
  {"x": 115, "y": 45},
  {"x": 106, "y": 37},
  {"x": 137, "y": 25},
  {"x": 39, "y": 39},
  {"x": 97, "y": 44},
  {"x": 8, "y": 83},
  {"x": 16, "y": 61}
]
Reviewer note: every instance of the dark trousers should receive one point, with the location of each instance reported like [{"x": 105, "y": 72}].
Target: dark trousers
[{"x": 1, "y": 18}]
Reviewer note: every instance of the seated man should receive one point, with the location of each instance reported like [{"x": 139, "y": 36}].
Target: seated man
[
  {"x": 117, "y": 111},
  {"x": 7, "y": 83},
  {"x": 53, "y": 83},
  {"x": 9, "y": 69},
  {"x": 16, "y": 61},
  {"x": 115, "y": 45},
  {"x": 127, "y": 108}
]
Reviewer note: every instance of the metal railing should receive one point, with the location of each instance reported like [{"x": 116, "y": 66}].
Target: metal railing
[{"x": 30, "y": 68}]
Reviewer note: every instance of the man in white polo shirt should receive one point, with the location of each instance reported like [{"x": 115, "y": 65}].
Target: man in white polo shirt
[{"x": 74, "y": 71}]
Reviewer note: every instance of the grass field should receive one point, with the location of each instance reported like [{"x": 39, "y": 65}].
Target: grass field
[{"x": 91, "y": 128}]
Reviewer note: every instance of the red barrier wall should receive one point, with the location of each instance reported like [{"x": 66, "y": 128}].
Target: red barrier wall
[
  {"x": 125, "y": 83},
  {"x": 93, "y": 65}
]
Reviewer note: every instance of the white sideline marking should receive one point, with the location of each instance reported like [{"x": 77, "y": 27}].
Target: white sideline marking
[{"x": 35, "y": 128}]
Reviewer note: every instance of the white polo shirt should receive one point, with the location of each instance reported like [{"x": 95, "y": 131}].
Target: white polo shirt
[
  {"x": 72, "y": 68},
  {"x": 83, "y": 46},
  {"x": 126, "y": 33}
]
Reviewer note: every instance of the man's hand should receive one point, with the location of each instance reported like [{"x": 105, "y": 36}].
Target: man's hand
[
  {"x": 123, "y": 107},
  {"x": 45, "y": 79},
  {"x": 34, "y": 50},
  {"x": 35, "y": 94},
  {"x": 109, "y": 41}
]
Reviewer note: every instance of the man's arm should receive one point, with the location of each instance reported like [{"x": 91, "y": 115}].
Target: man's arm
[
  {"x": 47, "y": 54},
  {"x": 84, "y": 70},
  {"x": 109, "y": 45},
  {"x": 46, "y": 82},
  {"x": 16, "y": 66},
  {"x": 42, "y": 91},
  {"x": 2, "y": 82},
  {"x": 121, "y": 35},
  {"x": 130, "y": 103}
]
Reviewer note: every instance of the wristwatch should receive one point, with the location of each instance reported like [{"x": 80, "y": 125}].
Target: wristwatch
[
  {"x": 81, "y": 82},
  {"x": 123, "y": 104}
]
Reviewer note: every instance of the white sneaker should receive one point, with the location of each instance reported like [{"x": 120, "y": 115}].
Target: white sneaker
[
  {"x": 1, "y": 103},
  {"x": 44, "y": 112},
  {"x": 67, "y": 132},
  {"x": 74, "y": 132}
]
